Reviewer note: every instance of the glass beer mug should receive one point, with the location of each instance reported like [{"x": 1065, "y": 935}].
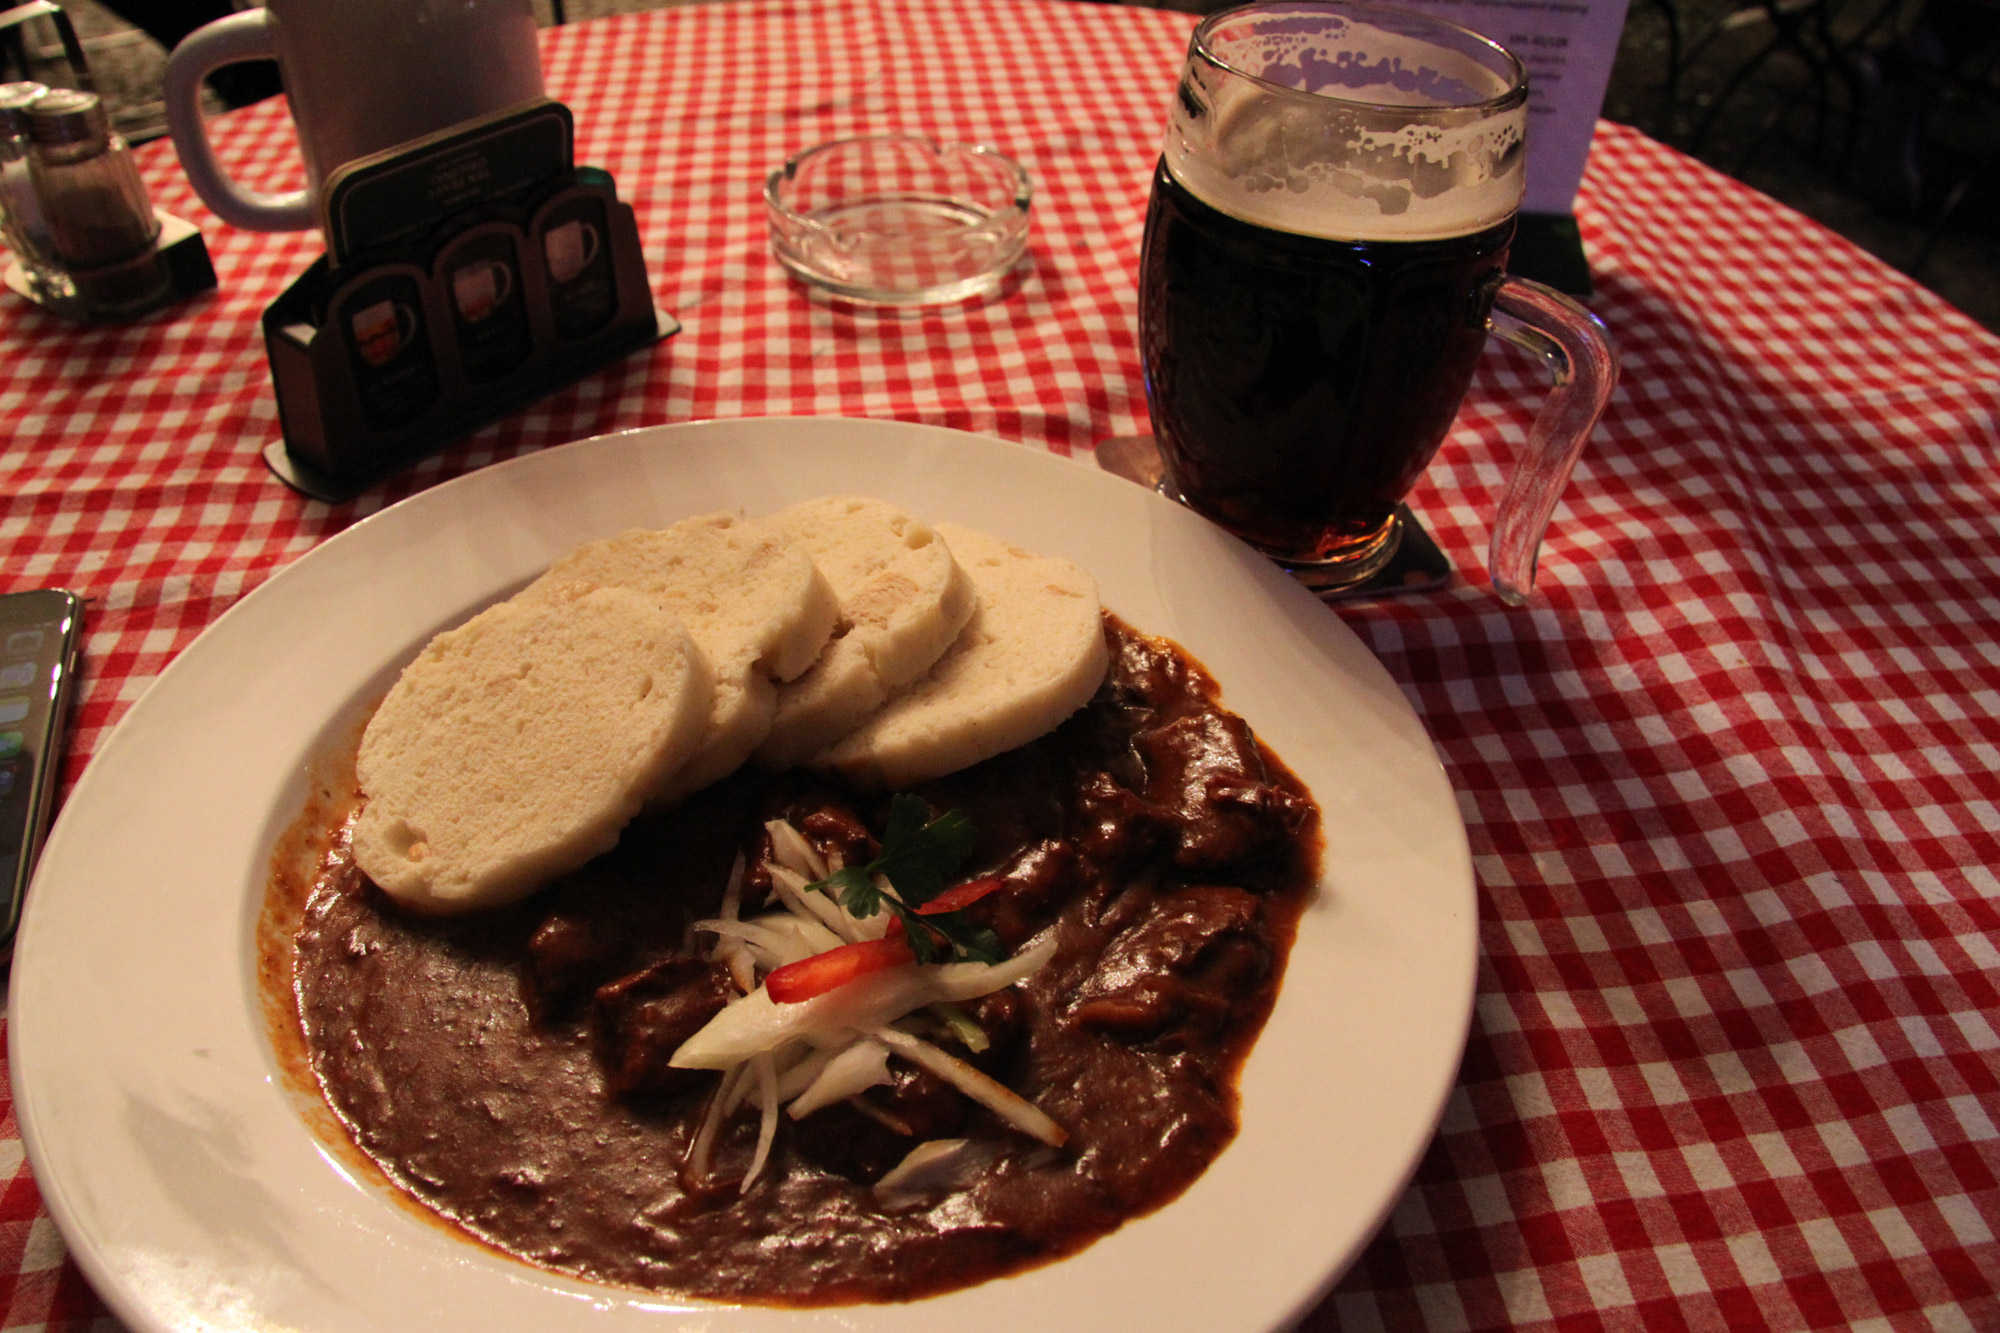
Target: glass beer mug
[{"x": 1325, "y": 252}]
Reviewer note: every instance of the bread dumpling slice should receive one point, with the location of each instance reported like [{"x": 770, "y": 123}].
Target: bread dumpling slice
[
  {"x": 754, "y": 603},
  {"x": 517, "y": 746},
  {"x": 1032, "y": 654},
  {"x": 903, "y": 600}
]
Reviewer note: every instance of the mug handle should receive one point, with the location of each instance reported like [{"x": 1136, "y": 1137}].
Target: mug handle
[
  {"x": 505, "y": 285},
  {"x": 1584, "y": 367},
  {"x": 244, "y": 36}
]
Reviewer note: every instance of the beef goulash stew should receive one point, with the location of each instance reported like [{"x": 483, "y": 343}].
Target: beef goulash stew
[{"x": 799, "y": 1039}]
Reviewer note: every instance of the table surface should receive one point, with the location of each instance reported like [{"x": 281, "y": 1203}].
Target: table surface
[{"x": 1728, "y": 783}]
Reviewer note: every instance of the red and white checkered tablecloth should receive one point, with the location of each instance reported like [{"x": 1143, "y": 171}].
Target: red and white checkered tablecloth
[{"x": 1730, "y": 783}]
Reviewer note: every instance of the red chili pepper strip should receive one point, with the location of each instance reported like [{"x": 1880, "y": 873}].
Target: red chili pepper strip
[
  {"x": 836, "y": 967},
  {"x": 961, "y": 895}
]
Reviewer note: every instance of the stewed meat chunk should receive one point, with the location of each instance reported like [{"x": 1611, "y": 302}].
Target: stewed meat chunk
[
  {"x": 639, "y": 1021},
  {"x": 1184, "y": 962},
  {"x": 1205, "y": 769}
]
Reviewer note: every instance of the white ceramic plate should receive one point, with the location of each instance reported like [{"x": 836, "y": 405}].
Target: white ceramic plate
[{"x": 194, "y": 1193}]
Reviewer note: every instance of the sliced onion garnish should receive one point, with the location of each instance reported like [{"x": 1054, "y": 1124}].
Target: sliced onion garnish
[
  {"x": 732, "y": 891},
  {"x": 742, "y": 965},
  {"x": 797, "y": 865},
  {"x": 793, "y": 852},
  {"x": 934, "y": 1168},
  {"x": 807, "y": 921},
  {"x": 791, "y": 887},
  {"x": 834, "y": 1046},
  {"x": 746, "y": 1088},
  {"x": 795, "y": 1078},
  {"x": 870, "y": 927},
  {"x": 989, "y": 1092},
  {"x": 808, "y": 934},
  {"x": 701, "y": 1153},
  {"x": 797, "y": 893},
  {"x": 851, "y": 1072},
  {"x": 730, "y": 952},
  {"x": 756, "y": 1023},
  {"x": 767, "y": 1123},
  {"x": 775, "y": 938}
]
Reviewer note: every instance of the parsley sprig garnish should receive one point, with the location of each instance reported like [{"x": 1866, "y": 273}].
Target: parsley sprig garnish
[{"x": 919, "y": 857}]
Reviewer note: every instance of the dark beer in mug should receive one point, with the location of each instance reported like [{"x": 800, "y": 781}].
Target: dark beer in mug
[
  {"x": 1300, "y": 384},
  {"x": 1328, "y": 230}
]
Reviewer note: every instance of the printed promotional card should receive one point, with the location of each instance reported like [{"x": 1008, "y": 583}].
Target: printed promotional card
[{"x": 1568, "y": 47}]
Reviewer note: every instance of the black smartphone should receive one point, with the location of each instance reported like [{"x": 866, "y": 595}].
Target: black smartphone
[{"x": 39, "y": 631}]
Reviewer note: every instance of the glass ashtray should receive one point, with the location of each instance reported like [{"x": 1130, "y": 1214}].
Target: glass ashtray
[{"x": 899, "y": 219}]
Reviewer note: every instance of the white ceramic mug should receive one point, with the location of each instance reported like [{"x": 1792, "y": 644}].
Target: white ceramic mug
[
  {"x": 361, "y": 76},
  {"x": 382, "y": 330},
  {"x": 480, "y": 288},
  {"x": 569, "y": 249}
]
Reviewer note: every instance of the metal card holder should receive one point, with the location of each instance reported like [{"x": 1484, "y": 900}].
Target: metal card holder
[
  {"x": 12, "y": 19},
  {"x": 384, "y": 355}
]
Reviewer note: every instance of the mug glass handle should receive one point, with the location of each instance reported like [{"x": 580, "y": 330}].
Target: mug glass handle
[
  {"x": 503, "y": 280},
  {"x": 1584, "y": 366},
  {"x": 245, "y": 36}
]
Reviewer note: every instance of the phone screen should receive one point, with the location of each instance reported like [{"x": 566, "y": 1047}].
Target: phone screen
[{"x": 38, "y": 635}]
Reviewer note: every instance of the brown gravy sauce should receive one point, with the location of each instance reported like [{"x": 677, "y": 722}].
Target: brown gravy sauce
[{"x": 507, "y": 1069}]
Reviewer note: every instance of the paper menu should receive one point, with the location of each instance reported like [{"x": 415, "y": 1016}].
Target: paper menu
[{"x": 1568, "y": 47}]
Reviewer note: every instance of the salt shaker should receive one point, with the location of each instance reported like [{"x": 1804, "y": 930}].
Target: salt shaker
[
  {"x": 100, "y": 221},
  {"x": 22, "y": 227}
]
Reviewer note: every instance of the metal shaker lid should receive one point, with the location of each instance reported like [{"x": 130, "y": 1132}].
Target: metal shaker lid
[
  {"x": 15, "y": 99},
  {"x": 69, "y": 116}
]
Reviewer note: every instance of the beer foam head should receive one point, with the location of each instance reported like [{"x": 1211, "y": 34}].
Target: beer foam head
[{"x": 1350, "y": 123}]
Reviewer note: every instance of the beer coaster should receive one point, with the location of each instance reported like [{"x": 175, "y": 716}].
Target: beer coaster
[{"x": 1419, "y": 564}]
